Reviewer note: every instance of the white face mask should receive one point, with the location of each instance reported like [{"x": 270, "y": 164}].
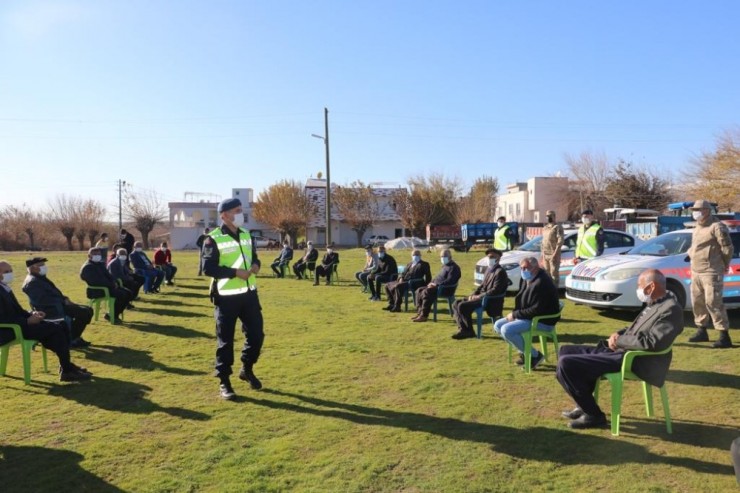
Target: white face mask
[
  {"x": 122, "y": 258},
  {"x": 239, "y": 219},
  {"x": 501, "y": 224},
  {"x": 7, "y": 277},
  {"x": 492, "y": 262},
  {"x": 644, "y": 298},
  {"x": 329, "y": 250},
  {"x": 586, "y": 220},
  {"x": 697, "y": 215},
  {"x": 415, "y": 258},
  {"x": 43, "y": 270},
  {"x": 96, "y": 258},
  {"x": 444, "y": 260}
]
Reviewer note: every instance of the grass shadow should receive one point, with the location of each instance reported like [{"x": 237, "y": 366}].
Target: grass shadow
[
  {"x": 120, "y": 396},
  {"x": 169, "y": 312},
  {"x": 704, "y": 378},
  {"x": 132, "y": 358},
  {"x": 687, "y": 432},
  {"x": 203, "y": 295},
  {"x": 167, "y": 330},
  {"x": 40, "y": 469},
  {"x": 574, "y": 448}
]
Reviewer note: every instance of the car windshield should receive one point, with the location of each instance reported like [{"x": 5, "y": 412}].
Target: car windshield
[
  {"x": 664, "y": 245},
  {"x": 533, "y": 245}
]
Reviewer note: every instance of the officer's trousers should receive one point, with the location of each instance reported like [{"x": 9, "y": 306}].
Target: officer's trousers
[
  {"x": 706, "y": 296},
  {"x": 551, "y": 265},
  {"x": 245, "y": 307}
]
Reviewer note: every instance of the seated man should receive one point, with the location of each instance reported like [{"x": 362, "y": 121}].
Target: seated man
[
  {"x": 143, "y": 266},
  {"x": 52, "y": 335},
  {"x": 416, "y": 273},
  {"x": 328, "y": 264},
  {"x": 371, "y": 264},
  {"x": 387, "y": 271},
  {"x": 654, "y": 329},
  {"x": 299, "y": 268},
  {"x": 494, "y": 283},
  {"x": 537, "y": 296},
  {"x": 278, "y": 265},
  {"x": 45, "y": 297},
  {"x": 163, "y": 261},
  {"x": 119, "y": 269},
  {"x": 94, "y": 273},
  {"x": 426, "y": 295}
]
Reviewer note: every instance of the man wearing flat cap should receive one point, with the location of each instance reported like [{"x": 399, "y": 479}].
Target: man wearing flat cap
[
  {"x": 552, "y": 242},
  {"x": 230, "y": 259},
  {"x": 44, "y": 296},
  {"x": 710, "y": 252},
  {"x": 590, "y": 241}
]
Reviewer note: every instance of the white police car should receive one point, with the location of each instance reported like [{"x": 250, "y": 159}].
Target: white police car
[
  {"x": 614, "y": 242},
  {"x": 611, "y": 282}
]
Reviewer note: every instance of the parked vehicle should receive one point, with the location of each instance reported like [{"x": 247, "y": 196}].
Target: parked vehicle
[
  {"x": 263, "y": 242},
  {"x": 611, "y": 282},
  {"x": 616, "y": 242},
  {"x": 376, "y": 240}
]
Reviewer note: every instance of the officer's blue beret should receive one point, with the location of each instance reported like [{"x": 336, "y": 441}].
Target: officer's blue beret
[{"x": 228, "y": 204}]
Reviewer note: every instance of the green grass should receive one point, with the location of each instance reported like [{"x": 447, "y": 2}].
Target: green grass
[{"x": 355, "y": 399}]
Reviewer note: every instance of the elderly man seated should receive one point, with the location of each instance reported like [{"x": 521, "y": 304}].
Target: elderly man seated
[
  {"x": 654, "y": 329},
  {"x": 328, "y": 264},
  {"x": 95, "y": 274},
  {"x": 416, "y": 273},
  {"x": 299, "y": 268},
  {"x": 537, "y": 296},
  {"x": 371, "y": 265},
  {"x": 386, "y": 271},
  {"x": 44, "y": 296},
  {"x": 120, "y": 270},
  {"x": 52, "y": 335},
  {"x": 448, "y": 277},
  {"x": 278, "y": 265},
  {"x": 153, "y": 277},
  {"x": 494, "y": 283},
  {"x": 163, "y": 262}
]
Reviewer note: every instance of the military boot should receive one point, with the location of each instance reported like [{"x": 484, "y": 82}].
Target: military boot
[
  {"x": 724, "y": 340},
  {"x": 700, "y": 335}
]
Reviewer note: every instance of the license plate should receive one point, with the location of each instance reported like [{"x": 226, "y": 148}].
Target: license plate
[{"x": 581, "y": 285}]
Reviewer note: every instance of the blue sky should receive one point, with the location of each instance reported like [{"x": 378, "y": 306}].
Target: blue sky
[{"x": 205, "y": 96}]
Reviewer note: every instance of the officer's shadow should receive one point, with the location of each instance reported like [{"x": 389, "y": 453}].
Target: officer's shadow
[
  {"x": 574, "y": 448},
  {"x": 126, "y": 357},
  {"x": 24, "y": 469},
  {"x": 119, "y": 396}
]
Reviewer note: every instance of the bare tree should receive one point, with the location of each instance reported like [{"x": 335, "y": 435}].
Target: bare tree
[
  {"x": 18, "y": 222},
  {"x": 358, "y": 206},
  {"x": 429, "y": 200},
  {"x": 637, "y": 188},
  {"x": 285, "y": 207},
  {"x": 716, "y": 174},
  {"x": 145, "y": 210},
  {"x": 63, "y": 214},
  {"x": 92, "y": 212},
  {"x": 480, "y": 203},
  {"x": 589, "y": 174}
]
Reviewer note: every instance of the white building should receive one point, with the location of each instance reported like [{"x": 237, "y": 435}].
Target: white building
[{"x": 527, "y": 202}]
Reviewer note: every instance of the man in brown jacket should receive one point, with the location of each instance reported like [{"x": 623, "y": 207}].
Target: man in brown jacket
[
  {"x": 710, "y": 252},
  {"x": 552, "y": 242}
]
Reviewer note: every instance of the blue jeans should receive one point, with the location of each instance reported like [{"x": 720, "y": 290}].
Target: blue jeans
[{"x": 512, "y": 332}]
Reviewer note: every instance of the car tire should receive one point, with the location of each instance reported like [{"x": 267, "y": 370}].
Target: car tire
[{"x": 678, "y": 291}]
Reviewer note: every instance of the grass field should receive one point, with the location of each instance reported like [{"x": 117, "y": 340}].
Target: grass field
[{"x": 355, "y": 399}]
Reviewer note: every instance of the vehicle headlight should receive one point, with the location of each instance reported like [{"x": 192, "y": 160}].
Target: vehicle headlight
[
  {"x": 621, "y": 274},
  {"x": 509, "y": 266}
]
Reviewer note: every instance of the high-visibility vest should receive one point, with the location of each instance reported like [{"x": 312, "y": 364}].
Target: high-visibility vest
[
  {"x": 236, "y": 255},
  {"x": 586, "y": 244},
  {"x": 500, "y": 241}
]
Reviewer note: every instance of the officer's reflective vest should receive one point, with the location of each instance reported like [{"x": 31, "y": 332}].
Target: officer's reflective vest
[
  {"x": 236, "y": 257},
  {"x": 586, "y": 244},
  {"x": 500, "y": 241}
]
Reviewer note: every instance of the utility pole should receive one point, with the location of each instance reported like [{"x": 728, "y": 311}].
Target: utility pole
[
  {"x": 121, "y": 184},
  {"x": 328, "y": 177}
]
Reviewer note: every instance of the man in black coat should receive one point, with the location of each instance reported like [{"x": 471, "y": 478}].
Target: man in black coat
[
  {"x": 537, "y": 296},
  {"x": 416, "y": 273},
  {"x": 654, "y": 329},
  {"x": 328, "y": 264},
  {"x": 52, "y": 335},
  {"x": 386, "y": 271},
  {"x": 94, "y": 273},
  {"x": 447, "y": 278},
  {"x": 299, "y": 268},
  {"x": 119, "y": 269},
  {"x": 494, "y": 284},
  {"x": 127, "y": 240},
  {"x": 44, "y": 296}
]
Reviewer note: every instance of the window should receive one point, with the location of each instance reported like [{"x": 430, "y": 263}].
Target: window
[{"x": 617, "y": 240}]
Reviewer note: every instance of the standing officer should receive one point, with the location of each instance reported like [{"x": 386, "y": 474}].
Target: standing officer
[
  {"x": 229, "y": 257},
  {"x": 711, "y": 251},
  {"x": 199, "y": 243},
  {"x": 552, "y": 241},
  {"x": 503, "y": 238},
  {"x": 590, "y": 242}
]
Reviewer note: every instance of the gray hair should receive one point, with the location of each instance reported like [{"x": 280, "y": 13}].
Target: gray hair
[{"x": 532, "y": 261}]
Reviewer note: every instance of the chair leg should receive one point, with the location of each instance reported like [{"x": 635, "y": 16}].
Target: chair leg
[
  {"x": 543, "y": 345},
  {"x": 4, "y": 359},
  {"x": 435, "y": 310},
  {"x": 112, "y": 309},
  {"x": 527, "y": 336},
  {"x": 95, "y": 304},
  {"x": 616, "y": 383},
  {"x": 666, "y": 409},
  {"x": 479, "y": 321},
  {"x": 26, "y": 350},
  {"x": 647, "y": 392}
]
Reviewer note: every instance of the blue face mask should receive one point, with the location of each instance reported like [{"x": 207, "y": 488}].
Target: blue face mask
[
  {"x": 526, "y": 275},
  {"x": 445, "y": 260},
  {"x": 381, "y": 254},
  {"x": 415, "y": 258}
]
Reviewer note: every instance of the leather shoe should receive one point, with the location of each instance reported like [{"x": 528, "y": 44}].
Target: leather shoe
[
  {"x": 463, "y": 335},
  {"x": 395, "y": 309},
  {"x": 74, "y": 375},
  {"x": 389, "y": 308},
  {"x": 248, "y": 376},
  {"x": 573, "y": 414},
  {"x": 421, "y": 319},
  {"x": 588, "y": 421},
  {"x": 227, "y": 392}
]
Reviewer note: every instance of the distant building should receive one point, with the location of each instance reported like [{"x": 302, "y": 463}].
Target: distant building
[{"x": 528, "y": 201}]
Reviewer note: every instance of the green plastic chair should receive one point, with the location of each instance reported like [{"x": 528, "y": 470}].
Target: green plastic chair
[
  {"x": 110, "y": 300},
  {"x": 334, "y": 275},
  {"x": 617, "y": 379},
  {"x": 479, "y": 312},
  {"x": 26, "y": 347},
  {"x": 544, "y": 335}
]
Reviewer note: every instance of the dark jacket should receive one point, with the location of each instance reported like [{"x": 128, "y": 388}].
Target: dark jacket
[
  {"x": 387, "y": 266},
  {"x": 44, "y": 296},
  {"x": 538, "y": 296},
  {"x": 330, "y": 259},
  {"x": 654, "y": 329},
  {"x": 127, "y": 240},
  {"x": 95, "y": 274},
  {"x": 494, "y": 283},
  {"x": 449, "y": 275},
  {"x": 140, "y": 260},
  {"x": 119, "y": 270},
  {"x": 311, "y": 256},
  {"x": 419, "y": 272},
  {"x": 211, "y": 257},
  {"x": 11, "y": 312}
]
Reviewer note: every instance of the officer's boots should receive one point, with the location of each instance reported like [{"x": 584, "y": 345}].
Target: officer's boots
[
  {"x": 248, "y": 375},
  {"x": 700, "y": 335},
  {"x": 724, "y": 340}
]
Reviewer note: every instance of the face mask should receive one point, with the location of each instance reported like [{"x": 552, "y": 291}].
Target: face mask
[
  {"x": 381, "y": 254},
  {"x": 43, "y": 270},
  {"x": 586, "y": 220},
  {"x": 239, "y": 220},
  {"x": 329, "y": 250},
  {"x": 644, "y": 298},
  {"x": 550, "y": 219},
  {"x": 501, "y": 224},
  {"x": 96, "y": 258},
  {"x": 415, "y": 258},
  {"x": 122, "y": 258},
  {"x": 445, "y": 260},
  {"x": 492, "y": 262},
  {"x": 697, "y": 215},
  {"x": 526, "y": 275},
  {"x": 7, "y": 277}
]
